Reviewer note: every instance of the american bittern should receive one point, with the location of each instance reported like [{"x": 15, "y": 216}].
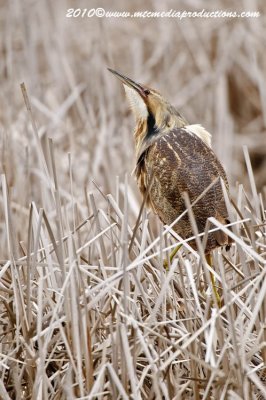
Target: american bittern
[{"x": 178, "y": 158}]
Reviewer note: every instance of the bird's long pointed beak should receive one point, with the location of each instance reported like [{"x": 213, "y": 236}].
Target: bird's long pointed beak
[{"x": 127, "y": 81}]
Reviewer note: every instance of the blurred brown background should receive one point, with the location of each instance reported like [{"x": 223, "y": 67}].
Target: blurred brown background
[{"x": 212, "y": 70}]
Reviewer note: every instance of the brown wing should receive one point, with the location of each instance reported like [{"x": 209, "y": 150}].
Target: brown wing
[{"x": 180, "y": 162}]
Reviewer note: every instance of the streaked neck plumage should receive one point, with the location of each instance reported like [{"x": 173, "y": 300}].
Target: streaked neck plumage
[{"x": 157, "y": 117}]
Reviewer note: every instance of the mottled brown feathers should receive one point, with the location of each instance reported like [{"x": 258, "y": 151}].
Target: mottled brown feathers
[{"x": 179, "y": 162}]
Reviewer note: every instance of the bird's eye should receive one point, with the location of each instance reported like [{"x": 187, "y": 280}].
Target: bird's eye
[{"x": 146, "y": 92}]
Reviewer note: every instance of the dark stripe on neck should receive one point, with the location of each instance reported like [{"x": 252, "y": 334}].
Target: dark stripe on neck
[{"x": 151, "y": 126}]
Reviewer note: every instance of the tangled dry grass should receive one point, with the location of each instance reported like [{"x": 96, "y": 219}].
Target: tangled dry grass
[{"x": 87, "y": 310}]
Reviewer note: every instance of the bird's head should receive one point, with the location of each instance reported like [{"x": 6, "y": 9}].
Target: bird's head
[{"x": 153, "y": 113}]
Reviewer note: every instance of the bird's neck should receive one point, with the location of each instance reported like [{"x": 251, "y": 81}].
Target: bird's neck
[
  {"x": 140, "y": 133},
  {"x": 147, "y": 129}
]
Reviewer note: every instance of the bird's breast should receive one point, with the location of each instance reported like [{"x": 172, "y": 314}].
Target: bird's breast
[{"x": 180, "y": 162}]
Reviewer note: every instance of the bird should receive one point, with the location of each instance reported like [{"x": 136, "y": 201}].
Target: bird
[{"x": 173, "y": 157}]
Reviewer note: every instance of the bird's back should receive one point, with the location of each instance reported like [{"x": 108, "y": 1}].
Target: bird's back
[{"x": 177, "y": 162}]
